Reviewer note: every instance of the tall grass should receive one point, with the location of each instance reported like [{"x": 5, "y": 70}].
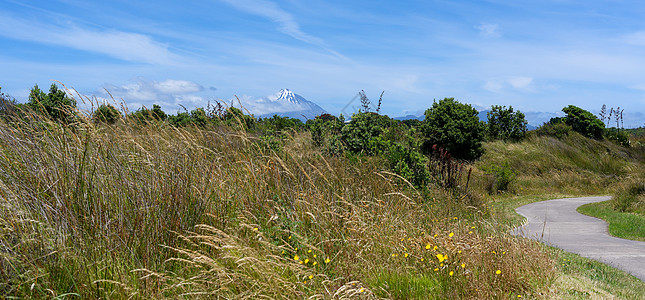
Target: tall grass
[{"x": 153, "y": 211}]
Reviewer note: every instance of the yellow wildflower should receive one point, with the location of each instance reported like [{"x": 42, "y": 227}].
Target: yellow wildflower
[
  {"x": 296, "y": 257},
  {"x": 306, "y": 261},
  {"x": 315, "y": 263},
  {"x": 428, "y": 246},
  {"x": 451, "y": 234},
  {"x": 441, "y": 257},
  {"x": 327, "y": 261},
  {"x": 451, "y": 272},
  {"x": 463, "y": 265},
  {"x": 311, "y": 276},
  {"x": 362, "y": 290},
  {"x": 498, "y": 272}
]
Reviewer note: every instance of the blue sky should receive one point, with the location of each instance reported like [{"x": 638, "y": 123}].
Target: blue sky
[{"x": 537, "y": 56}]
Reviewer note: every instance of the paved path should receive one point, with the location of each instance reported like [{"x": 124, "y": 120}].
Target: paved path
[{"x": 557, "y": 223}]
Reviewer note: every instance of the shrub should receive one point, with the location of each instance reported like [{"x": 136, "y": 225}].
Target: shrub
[
  {"x": 555, "y": 128},
  {"x": 503, "y": 175},
  {"x": 583, "y": 122},
  {"x": 55, "y": 104},
  {"x": 325, "y": 133},
  {"x": 617, "y": 136},
  {"x": 409, "y": 163},
  {"x": 455, "y": 127},
  {"x": 145, "y": 115},
  {"x": 358, "y": 135},
  {"x": 106, "y": 113},
  {"x": 506, "y": 124}
]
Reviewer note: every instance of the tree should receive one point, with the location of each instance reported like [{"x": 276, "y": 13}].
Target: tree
[
  {"x": 55, "y": 104},
  {"x": 583, "y": 122},
  {"x": 506, "y": 124},
  {"x": 106, "y": 113},
  {"x": 364, "y": 133},
  {"x": 455, "y": 127}
]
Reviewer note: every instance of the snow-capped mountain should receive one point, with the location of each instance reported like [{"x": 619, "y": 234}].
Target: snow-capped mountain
[{"x": 284, "y": 103}]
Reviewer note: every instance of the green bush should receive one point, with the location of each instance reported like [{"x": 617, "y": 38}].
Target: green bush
[
  {"x": 455, "y": 127},
  {"x": 409, "y": 163},
  {"x": 503, "y": 175},
  {"x": 361, "y": 134},
  {"x": 506, "y": 124},
  {"x": 620, "y": 137},
  {"x": 555, "y": 128},
  {"x": 583, "y": 122},
  {"x": 145, "y": 115},
  {"x": 325, "y": 133},
  {"x": 106, "y": 113},
  {"x": 55, "y": 104}
]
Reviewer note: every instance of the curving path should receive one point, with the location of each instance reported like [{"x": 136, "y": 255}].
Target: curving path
[{"x": 557, "y": 223}]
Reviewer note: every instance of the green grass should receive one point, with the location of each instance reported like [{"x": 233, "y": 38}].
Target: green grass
[
  {"x": 153, "y": 211},
  {"x": 583, "y": 276},
  {"x": 621, "y": 224}
]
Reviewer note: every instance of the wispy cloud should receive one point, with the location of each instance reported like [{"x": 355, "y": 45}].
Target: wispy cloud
[
  {"x": 488, "y": 30},
  {"x": 285, "y": 21},
  {"x": 126, "y": 46}
]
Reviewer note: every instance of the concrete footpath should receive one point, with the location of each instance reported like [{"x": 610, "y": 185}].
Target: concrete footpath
[{"x": 557, "y": 223}]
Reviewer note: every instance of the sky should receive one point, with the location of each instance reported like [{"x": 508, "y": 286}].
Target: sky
[{"x": 537, "y": 56}]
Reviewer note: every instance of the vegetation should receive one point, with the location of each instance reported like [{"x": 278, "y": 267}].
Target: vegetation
[
  {"x": 455, "y": 127},
  {"x": 583, "y": 122},
  {"x": 623, "y": 225},
  {"x": 506, "y": 124},
  {"x": 214, "y": 203}
]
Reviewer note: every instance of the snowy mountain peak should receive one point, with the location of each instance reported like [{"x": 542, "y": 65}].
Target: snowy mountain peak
[
  {"x": 284, "y": 103},
  {"x": 288, "y": 96}
]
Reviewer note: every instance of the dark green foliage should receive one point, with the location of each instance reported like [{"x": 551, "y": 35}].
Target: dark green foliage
[
  {"x": 196, "y": 117},
  {"x": 236, "y": 118},
  {"x": 106, "y": 113},
  {"x": 618, "y": 136},
  {"x": 409, "y": 163},
  {"x": 55, "y": 104},
  {"x": 325, "y": 133},
  {"x": 506, "y": 124},
  {"x": 363, "y": 133},
  {"x": 279, "y": 125},
  {"x": 583, "y": 122},
  {"x": 555, "y": 127},
  {"x": 455, "y": 127},
  {"x": 503, "y": 175},
  {"x": 145, "y": 115}
]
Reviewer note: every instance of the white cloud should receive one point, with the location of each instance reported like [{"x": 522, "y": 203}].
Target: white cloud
[
  {"x": 493, "y": 85},
  {"x": 118, "y": 44},
  {"x": 636, "y": 38},
  {"x": 170, "y": 94},
  {"x": 488, "y": 30},
  {"x": 265, "y": 105},
  {"x": 282, "y": 18},
  {"x": 171, "y": 86},
  {"x": 520, "y": 82}
]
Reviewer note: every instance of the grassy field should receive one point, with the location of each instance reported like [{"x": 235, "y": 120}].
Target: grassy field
[{"x": 154, "y": 211}]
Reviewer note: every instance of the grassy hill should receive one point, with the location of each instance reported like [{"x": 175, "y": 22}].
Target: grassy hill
[{"x": 135, "y": 210}]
